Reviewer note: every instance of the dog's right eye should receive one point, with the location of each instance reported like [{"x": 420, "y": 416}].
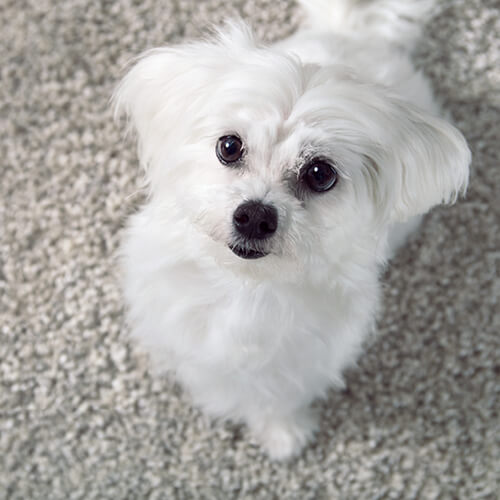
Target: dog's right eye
[{"x": 229, "y": 149}]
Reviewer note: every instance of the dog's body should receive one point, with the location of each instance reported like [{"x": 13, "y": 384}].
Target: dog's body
[{"x": 255, "y": 279}]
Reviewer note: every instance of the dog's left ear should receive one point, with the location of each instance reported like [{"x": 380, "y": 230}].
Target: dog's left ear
[{"x": 430, "y": 162}]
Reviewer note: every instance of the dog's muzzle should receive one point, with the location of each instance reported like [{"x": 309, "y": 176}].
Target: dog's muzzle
[{"x": 253, "y": 222}]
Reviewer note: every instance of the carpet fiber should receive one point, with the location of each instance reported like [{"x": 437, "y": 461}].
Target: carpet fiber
[{"x": 81, "y": 417}]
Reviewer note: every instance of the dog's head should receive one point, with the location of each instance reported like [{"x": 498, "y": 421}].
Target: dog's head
[{"x": 278, "y": 161}]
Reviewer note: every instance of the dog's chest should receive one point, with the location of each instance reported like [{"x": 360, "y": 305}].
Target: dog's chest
[{"x": 250, "y": 325}]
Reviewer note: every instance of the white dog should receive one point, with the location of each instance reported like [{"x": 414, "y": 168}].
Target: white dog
[{"x": 280, "y": 179}]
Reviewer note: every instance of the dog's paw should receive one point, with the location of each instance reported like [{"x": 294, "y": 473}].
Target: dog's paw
[{"x": 284, "y": 438}]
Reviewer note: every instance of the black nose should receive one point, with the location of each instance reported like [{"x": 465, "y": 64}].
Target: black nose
[{"x": 255, "y": 220}]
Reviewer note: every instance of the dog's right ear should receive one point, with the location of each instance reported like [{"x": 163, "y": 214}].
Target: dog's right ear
[
  {"x": 158, "y": 94},
  {"x": 167, "y": 88}
]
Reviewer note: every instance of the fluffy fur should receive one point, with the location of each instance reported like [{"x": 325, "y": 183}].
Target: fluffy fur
[{"x": 258, "y": 340}]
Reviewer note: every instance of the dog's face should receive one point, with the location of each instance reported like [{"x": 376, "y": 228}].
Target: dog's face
[{"x": 278, "y": 162}]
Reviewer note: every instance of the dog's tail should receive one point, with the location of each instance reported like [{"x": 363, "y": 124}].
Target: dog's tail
[{"x": 398, "y": 21}]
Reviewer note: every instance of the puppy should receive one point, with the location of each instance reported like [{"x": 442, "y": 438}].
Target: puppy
[{"x": 280, "y": 180}]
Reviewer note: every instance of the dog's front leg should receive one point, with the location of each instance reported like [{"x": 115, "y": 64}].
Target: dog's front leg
[{"x": 283, "y": 435}]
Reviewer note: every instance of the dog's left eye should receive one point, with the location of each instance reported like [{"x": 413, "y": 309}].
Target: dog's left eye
[
  {"x": 319, "y": 175},
  {"x": 229, "y": 149}
]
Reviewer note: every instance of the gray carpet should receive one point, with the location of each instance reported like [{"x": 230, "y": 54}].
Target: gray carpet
[{"x": 80, "y": 416}]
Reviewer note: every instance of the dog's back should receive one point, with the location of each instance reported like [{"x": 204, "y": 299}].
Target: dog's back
[{"x": 397, "y": 21}]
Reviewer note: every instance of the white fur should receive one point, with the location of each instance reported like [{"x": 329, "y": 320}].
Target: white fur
[{"x": 259, "y": 340}]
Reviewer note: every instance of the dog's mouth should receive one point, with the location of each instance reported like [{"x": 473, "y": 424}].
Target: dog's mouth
[{"x": 247, "y": 253}]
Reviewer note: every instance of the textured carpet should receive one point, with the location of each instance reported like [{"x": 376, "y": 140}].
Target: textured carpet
[{"x": 81, "y": 417}]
